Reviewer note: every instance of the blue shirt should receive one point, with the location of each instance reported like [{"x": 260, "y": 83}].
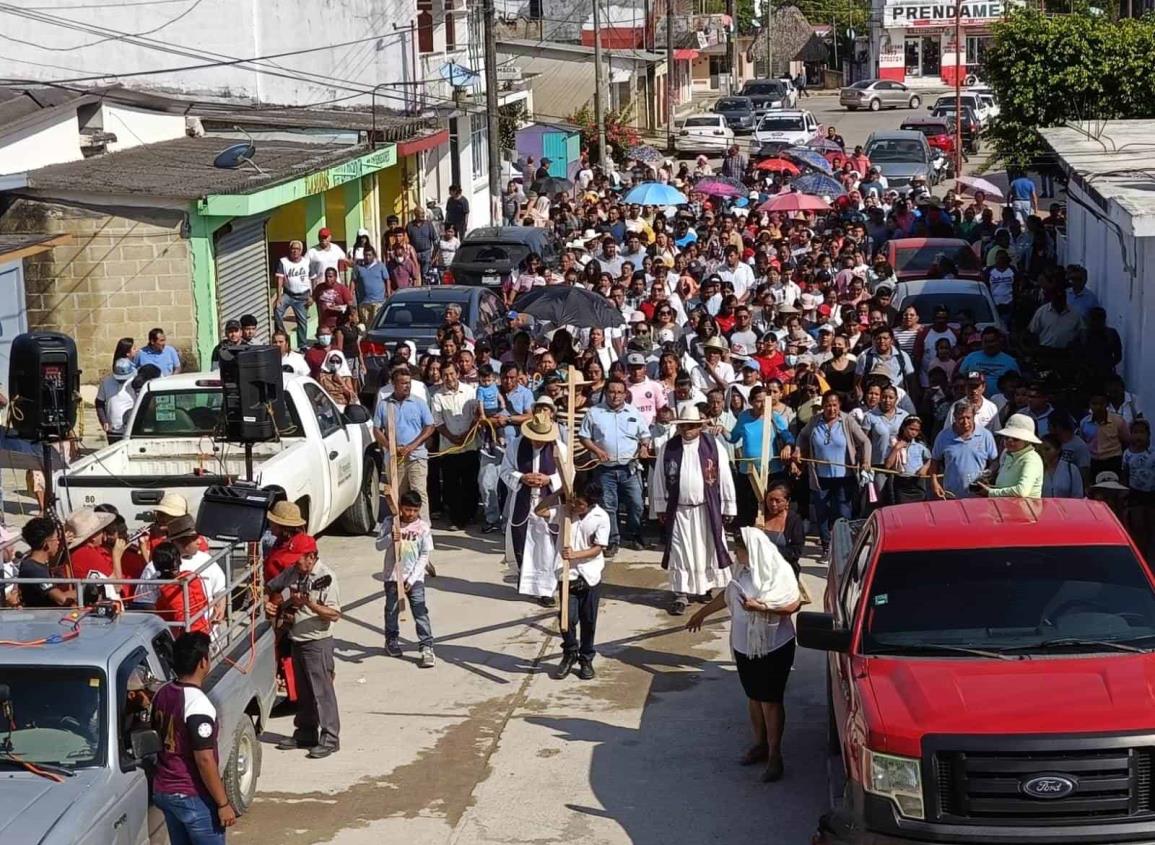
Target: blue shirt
[
  {"x": 370, "y": 282},
  {"x": 1022, "y": 188},
  {"x": 917, "y": 454},
  {"x": 411, "y": 416},
  {"x": 518, "y": 401},
  {"x": 991, "y": 366},
  {"x": 882, "y": 430},
  {"x": 167, "y": 360},
  {"x": 747, "y": 432},
  {"x": 963, "y": 461},
  {"x": 619, "y": 432},
  {"x": 828, "y": 443}
]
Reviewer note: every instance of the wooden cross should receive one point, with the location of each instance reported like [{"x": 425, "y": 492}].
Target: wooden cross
[
  {"x": 567, "y": 479},
  {"x": 760, "y": 476},
  {"x": 394, "y": 485}
]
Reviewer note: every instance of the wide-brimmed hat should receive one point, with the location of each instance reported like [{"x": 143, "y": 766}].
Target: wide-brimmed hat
[
  {"x": 173, "y": 504},
  {"x": 286, "y": 514},
  {"x": 85, "y": 522},
  {"x": 715, "y": 343},
  {"x": 1107, "y": 480},
  {"x": 689, "y": 414},
  {"x": 1021, "y": 427},
  {"x": 788, "y": 309},
  {"x": 181, "y": 527},
  {"x": 540, "y": 427}
]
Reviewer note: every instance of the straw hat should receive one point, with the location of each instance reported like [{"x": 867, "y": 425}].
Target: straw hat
[
  {"x": 1022, "y": 427},
  {"x": 1107, "y": 480},
  {"x": 716, "y": 343},
  {"x": 84, "y": 523},
  {"x": 173, "y": 504},
  {"x": 286, "y": 514},
  {"x": 540, "y": 427},
  {"x": 689, "y": 414}
]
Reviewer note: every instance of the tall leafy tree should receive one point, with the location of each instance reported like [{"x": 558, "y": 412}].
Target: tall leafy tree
[{"x": 1048, "y": 70}]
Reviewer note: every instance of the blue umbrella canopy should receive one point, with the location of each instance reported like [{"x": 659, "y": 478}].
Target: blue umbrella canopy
[
  {"x": 824, "y": 145},
  {"x": 645, "y": 154},
  {"x": 818, "y": 185},
  {"x": 655, "y": 193},
  {"x": 811, "y": 158}
]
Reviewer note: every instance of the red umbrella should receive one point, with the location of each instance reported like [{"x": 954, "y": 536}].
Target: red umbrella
[
  {"x": 777, "y": 165},
  {"x": 794, "y": 202}
]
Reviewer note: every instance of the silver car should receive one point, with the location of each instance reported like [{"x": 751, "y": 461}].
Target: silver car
[{"x": 875, "y": 94}]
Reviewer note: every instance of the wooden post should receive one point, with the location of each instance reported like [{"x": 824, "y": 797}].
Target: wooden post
[
  {"x": 761, "y": 475},
  {"x": 567, "y": 479},
  {"x": 394, "y": 484}
]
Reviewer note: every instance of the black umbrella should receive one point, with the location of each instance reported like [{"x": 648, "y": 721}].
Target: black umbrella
[
  {"x": 566, "y": 305},
  {"x": 548, "y": 186}
]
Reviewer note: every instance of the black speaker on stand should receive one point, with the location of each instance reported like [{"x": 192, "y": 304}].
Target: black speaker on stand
[{"x": 252, "y": 388}]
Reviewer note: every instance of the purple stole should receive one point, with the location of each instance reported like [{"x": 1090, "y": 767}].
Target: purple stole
[
  {"x": 548, "y": 466},
  {"x": 672, "y": 466}
]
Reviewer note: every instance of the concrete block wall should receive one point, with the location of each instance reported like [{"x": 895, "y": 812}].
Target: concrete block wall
[{"x": 126, "y": 271}]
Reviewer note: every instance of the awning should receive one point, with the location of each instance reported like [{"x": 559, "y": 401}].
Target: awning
[
  {"x": 685, "y": 55},
  {"x": 420, "y": 145},
  {"x": 15, "y": 247}
]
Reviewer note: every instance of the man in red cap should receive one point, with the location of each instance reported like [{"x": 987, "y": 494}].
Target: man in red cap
[
  {"x": 309, "y": 591},
  {"x": 326, "y": 255}
]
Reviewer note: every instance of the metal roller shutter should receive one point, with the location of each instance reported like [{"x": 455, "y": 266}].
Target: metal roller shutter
[{"x": 243, "y": 274}]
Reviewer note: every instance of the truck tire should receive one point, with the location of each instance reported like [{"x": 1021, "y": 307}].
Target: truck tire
[
  {"x": 243, "y": 767},
  {"x": 361, "y": 517}
]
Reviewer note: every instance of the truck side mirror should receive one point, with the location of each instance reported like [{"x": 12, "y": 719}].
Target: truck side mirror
[
  {"x": 818, "y": 631},
  {"x": 145, "y": 744},
  {"x": 356, "y": 414}
]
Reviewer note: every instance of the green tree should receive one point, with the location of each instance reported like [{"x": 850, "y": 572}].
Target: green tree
[{"x": 1049, "y": 70}]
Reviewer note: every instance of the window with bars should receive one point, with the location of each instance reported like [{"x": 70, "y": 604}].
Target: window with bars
[
  {"x": 450, "y": 25},
  {"x": 479, "y": 143}
]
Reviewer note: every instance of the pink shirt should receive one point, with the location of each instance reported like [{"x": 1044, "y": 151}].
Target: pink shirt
[{"x": 648, "y": 397}]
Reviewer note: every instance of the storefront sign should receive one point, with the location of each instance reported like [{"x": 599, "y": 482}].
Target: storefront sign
[
  {"x": 937, "y": 14},
  {"x": 892, "y": 58}
]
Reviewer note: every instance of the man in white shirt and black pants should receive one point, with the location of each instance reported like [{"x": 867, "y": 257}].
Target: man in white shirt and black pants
[{"x": 589, "y": 536}]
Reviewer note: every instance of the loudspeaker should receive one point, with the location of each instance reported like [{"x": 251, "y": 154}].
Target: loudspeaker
[
  {"x": 235, "y": 513},
  {"x": 251, "y": 382},
  {"x": 43, "y": 380}
]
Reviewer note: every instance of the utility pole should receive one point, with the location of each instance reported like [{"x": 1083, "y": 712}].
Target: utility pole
[
  {"x": 957, "y": 91},
  {"x": 494, "y": 128},
  {"x": 732, "y": 45},
  {"x": 671, "y": 76},
  {"x": 769, "y": 42},
  {"x": 599, "y": 94}
]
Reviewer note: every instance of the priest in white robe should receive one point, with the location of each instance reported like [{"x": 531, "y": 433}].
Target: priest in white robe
[
  {"x": 532, "y": 470},
  {"x": 692, "y": 496}
]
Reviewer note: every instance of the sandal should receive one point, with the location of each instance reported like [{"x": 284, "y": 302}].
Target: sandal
[
  {"x": 754, "y": 754},
  {"x": 679, "y": 607},
  {"x": 775, "y": 769}
]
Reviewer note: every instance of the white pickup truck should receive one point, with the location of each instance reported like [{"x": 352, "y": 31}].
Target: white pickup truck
[{"x": 325, "y": 460}]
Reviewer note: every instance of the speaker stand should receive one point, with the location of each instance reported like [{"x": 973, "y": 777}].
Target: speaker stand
[{"x": 249, "y": 460}]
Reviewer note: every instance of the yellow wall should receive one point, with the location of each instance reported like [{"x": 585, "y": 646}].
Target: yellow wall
[
  {"x": 335, "y": 214},
  {"x": 391, "y": 187},
  {"x": 288, "y": 222}
]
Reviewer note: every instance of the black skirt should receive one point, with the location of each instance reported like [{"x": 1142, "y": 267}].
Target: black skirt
[{"x": 764, "y": 678}]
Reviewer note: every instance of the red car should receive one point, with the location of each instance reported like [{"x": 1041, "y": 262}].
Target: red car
[
  {"x": 990, "y": 675},
  {"x": 938, "y": 131},
  {"x": 916, "y": 258}
]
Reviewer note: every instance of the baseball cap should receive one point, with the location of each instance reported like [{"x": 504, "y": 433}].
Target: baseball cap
[
  {"x": 826, "y": 327},
  {"x": 298, "y": 546},
  {"x": 233, "y": 326},
  {"x": 751, "y": 364},
  {"x": 123, "y": 369},
  {"x": 636, "y": 359},
  {"x": 975, "y": 375},
  {"x": 324, "y": 233}
]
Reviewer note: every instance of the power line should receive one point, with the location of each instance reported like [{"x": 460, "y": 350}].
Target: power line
[{"x": 165, "y": 25}]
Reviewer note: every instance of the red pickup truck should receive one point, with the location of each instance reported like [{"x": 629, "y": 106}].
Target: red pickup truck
[{"x": 991, "y": 676}]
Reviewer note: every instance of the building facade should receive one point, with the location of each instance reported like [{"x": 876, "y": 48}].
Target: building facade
[{"x": 914, "y": 40}]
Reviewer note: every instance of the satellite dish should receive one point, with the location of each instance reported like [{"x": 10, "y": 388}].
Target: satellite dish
[
  {"x": 457, "y": 75},
  {"x": 234, "y": 156}
]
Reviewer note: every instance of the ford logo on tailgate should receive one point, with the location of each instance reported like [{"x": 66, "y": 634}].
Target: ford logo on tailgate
[{"x": 1048, "y": 786}]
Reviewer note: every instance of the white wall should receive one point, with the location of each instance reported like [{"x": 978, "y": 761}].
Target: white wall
[
  {"x": 136, "y": 127},
  {"x": 54, "y": 140}
]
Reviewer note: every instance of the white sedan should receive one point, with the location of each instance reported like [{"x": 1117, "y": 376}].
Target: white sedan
[
  {"x": 968, "y": 300},
  {"x": 703, "y": 132}
]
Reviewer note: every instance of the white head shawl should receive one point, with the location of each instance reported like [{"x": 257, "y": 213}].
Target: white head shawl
[{"x": 774, "y": 584}]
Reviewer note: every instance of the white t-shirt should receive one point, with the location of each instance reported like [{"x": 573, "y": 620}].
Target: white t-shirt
[
  {"x": 119, "y": 408},
  {"x": 296, "y": 275},
  {"x": 741, "y": 276},
  {"x": 212, "y": 577},
  {"x": 1002, "y": 286},
  {"x": 985, "y": 413},
  {"x": 591, "y": 530},
  {"x": 109, "y": 387},
  {"x": 321, "y": 260}
]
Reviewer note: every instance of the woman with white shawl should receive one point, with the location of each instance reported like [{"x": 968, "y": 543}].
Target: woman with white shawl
[{"x": 761, "y": 596}]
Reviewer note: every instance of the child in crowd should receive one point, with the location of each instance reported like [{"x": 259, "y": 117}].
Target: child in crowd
[
  {"x": 413, "y": 537},
  {"x": 489, "y": 403},
  {"x": 1139, "y": 476}
]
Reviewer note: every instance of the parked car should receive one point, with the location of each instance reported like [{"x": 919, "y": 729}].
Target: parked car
[
  {"x": 325, "y": 459},
  {"x": 739, "y": 113},
  {"x": 416, "y": 314},
  {"x": 939, "y": 134},
  {"x": 915, "y": 258},
  {"x": 988, "y": 675},
  {"x": 767, "y": 94},
  {"x": 791, "y": 91},
  {"x": 900, "y": 154},
  {"x": 968, "y": 300},
  {"x": 971, "y": 127},
  {"x": 703, "y": 132},
  {"x": 489, "y": 255},
  {"x": 987, "y": 96},
  {"x": 973, "y": 101},
  {"x": 875, "y": 94},
  {"x": 68, "y": 712},
  {"x": 789, "y": 128}
]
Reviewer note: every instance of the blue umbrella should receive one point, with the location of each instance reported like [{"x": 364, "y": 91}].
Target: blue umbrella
[
  {"x": 824, "y": 145},
  {"x": 818, "y": 185},
  {"x": 655, "y": 193},
  {"x": 808, "y": 157}
]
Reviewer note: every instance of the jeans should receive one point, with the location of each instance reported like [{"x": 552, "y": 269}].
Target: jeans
[
  {"x": 318, "y": 720},
  {"x": 300, "y": 307},
  {"x": 1022, "y": 209},
  {"x": 190, "y": 819},
  {"x": 832, "y": 501},
  {"x": 583, "y": 611},
  {"x": 416, "y": 601},
  {"x": 489, "y": 480},
  {"x": 622, "y": 482}
]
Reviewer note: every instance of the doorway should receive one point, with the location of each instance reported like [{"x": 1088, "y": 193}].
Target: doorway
[{"x": 923, "y": 55}]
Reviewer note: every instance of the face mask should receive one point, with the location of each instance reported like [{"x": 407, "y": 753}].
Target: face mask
[
  {"x": 791, "y": 360},
  {"x": 324, "y": 339}
]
